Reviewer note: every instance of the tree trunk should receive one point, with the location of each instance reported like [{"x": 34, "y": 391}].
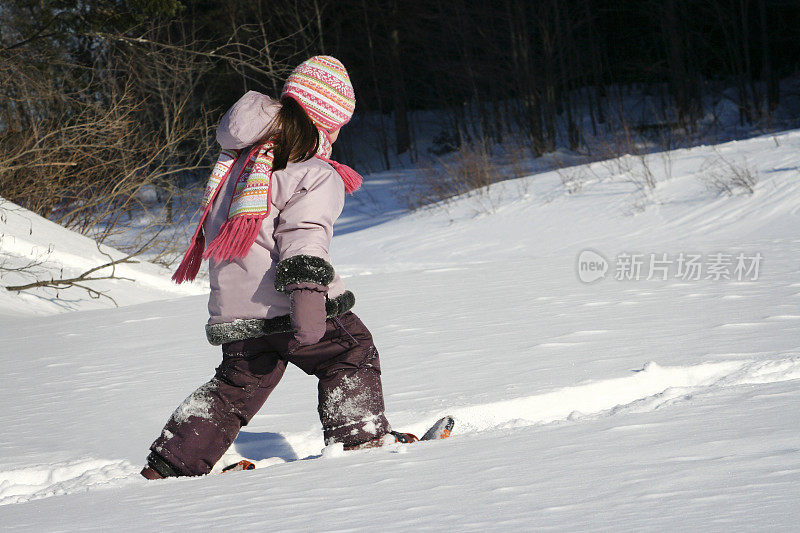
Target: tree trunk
[
  {"x": 384, "y": 142},
  {"x": 767, "y": 74},
  {"x": 401, "y": 127}
]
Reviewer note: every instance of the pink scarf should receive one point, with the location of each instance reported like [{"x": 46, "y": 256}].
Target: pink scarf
[{"x": 250, "y": 204}]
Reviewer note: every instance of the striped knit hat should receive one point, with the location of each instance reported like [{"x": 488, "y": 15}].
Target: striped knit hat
[{"x": 322, "y": 88}]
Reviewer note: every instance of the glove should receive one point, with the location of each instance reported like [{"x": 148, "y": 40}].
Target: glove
[{"x": 308, "y": 312}]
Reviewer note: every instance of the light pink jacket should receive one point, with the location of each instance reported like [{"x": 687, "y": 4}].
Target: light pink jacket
[{"x": 307, "y": 198}]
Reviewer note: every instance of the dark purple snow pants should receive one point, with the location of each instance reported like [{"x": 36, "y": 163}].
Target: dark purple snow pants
[{"x": 350, "y": 396}]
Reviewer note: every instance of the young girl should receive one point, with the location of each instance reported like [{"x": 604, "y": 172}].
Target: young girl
[{"x": 266, "y": 227}]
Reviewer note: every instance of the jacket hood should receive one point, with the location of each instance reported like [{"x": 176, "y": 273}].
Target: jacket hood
[{"x": 246, "y": 121}]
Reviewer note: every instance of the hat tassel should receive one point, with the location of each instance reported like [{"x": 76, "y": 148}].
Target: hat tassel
[{"x": 352, "y": 179}]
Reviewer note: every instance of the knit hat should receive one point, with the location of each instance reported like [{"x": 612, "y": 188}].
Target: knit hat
[{"x": 322, "y": 87}]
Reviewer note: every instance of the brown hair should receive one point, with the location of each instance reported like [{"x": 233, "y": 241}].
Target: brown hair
[{"x": 295, "y": 135}]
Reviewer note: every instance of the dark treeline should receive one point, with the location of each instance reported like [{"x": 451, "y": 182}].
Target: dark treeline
[
  {"x": 117, "y": 90},
  {"x": 554, "y": 60}
]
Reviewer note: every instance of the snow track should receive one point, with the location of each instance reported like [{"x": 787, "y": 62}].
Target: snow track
[
  {"x": 43, "y": 481},
  {"x": 647, "y": 389}
]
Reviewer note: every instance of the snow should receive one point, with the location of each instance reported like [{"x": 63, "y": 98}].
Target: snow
[
  {"x": 333, "y": 450},
  {"x": 197, "y": 404},
  {"x": 54, "y": 253},
  {"x": 617, "y": 405}
]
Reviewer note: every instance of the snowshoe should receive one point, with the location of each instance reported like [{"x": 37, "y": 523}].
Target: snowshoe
[
  {"x": 440, "y": 430},
  {"x": 244, "y": 464}
]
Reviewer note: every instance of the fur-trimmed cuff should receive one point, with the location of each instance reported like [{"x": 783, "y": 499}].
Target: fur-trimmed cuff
[
  {"x": 303, "y": 268},
  {"x": 340, "y": 305}
]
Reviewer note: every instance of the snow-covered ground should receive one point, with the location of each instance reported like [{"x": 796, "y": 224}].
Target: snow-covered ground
[
  {"x": 33, "y": 248},
  {"x": 622, "y": 404}
]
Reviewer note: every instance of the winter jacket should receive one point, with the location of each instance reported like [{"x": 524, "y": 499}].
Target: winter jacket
[{"x": 248, "y": 297}]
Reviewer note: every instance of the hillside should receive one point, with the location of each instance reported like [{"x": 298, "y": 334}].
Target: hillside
[
  {"x": 33, "y": 248},
  {"x": 617, "y": 405}
]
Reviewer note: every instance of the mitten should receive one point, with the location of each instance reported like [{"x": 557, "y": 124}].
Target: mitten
[{"x": 308, "y": 313}]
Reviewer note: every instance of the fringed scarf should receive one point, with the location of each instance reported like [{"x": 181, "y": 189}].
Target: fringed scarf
[{"x": 249, "y": 206}]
